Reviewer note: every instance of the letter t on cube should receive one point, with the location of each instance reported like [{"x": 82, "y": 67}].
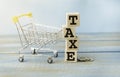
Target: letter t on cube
[{"x": 72, "y": 19}]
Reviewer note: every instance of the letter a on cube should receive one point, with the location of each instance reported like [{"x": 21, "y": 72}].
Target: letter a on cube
[
  {"x": 72, "y": 19},
  {"x": 69, "y": 32}
]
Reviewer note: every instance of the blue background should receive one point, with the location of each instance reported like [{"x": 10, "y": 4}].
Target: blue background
[{"x": 95, "y": 15}]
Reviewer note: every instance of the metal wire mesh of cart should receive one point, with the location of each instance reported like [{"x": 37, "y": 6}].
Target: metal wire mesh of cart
[{"x": 36, "y": 36}]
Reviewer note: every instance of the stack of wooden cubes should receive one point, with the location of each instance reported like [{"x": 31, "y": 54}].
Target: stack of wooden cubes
[{"x": 71, "y": 40}]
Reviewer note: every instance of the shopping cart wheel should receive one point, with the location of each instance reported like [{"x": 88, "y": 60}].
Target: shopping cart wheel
[
  {"x": 50, "y": 60},
  {"x": 21, "y": 59},
  {"x": 34, "y": 51},
  {"x": 56, "y": 54}
]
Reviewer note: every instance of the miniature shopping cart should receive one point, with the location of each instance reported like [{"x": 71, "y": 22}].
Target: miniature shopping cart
[{"x": 36, "y": 37}]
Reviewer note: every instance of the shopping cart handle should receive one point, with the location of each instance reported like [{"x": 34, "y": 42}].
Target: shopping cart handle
[
  {"x": 27, "y": 14},
  {"x": 15, "y": 18}
]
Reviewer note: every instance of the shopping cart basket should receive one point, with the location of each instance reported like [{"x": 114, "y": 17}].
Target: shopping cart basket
[{"x": 36, "y": 37}]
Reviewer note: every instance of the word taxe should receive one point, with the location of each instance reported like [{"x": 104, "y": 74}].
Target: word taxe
[{"x": 72, "y": 41}]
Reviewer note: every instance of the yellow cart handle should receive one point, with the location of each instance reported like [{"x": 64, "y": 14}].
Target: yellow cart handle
[{"x": 15, "y": 18}]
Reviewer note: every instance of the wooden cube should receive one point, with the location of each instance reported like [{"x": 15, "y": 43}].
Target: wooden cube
[
  {"x": 72, "y": 19},
  {"x": 70, "y": 56},
  {"x": 72, "y": 44},
  {"x": 69, "y": 32}
]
